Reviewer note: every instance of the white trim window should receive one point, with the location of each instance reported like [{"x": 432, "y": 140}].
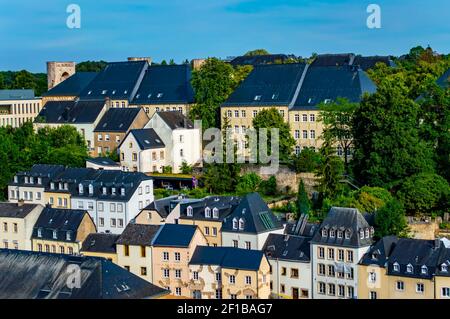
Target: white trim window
[
  {"x": 396, "y": 267},
  {"x": 166, "y": 256},
  {"x": 400, "y": 285},
  {"x": 232, "y": 280},
  {"x": 207, "y": 212},
  {"x": 420, "y": 288},
  {"x": 445, "y": 292},
  {"x": 248, "y": 280},
  {"x": 190, "y": 211}
]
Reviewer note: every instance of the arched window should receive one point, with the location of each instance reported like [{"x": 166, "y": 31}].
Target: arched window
[
  {"x": 241, "y": 224},
  {"x": 91, "y": 189},
  {"x": 190, "y": 211},
  {"x": 208, "y": 212},
  {"x": 80, "y": 188},
  {"x": 409, "y": 268},
  {"x": 235, "y": 223},
  {"x": 216, "y": 212}
]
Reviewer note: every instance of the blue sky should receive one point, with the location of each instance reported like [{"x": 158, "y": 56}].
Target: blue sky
[{"x": 33, "y": 32}]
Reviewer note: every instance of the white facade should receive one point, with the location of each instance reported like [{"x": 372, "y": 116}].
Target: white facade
[
  {"x": 205, "y": 280},
  {"x": 112, "y": 216},
  {"x": 243, "y": 240},
  {"x": 17, "y": 112},
  {"x": 29, "y": 194},
  {"x": 344, "y": 261},
  {"x": 182, "y": 144},
  {"x": 284, "y": 282},
  {"x": 135, "y": 159}
]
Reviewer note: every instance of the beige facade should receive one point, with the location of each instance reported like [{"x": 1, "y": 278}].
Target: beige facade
[
  {"x": 212, "y": 230},
  {"x": 258, "y": 288},
  {"x": 171, "y": 266},
  {"x": 58, "y": 199},
  {"x": 109, "y": 256},
  {"x": 15, "y": 232},
  {"x": 16, "y": 112},
  {"x": 151, "y": 109},
  {"x": 442, "y": 287},
  {"x": 149, "y": 217},
  {"x": 136, "y": 259}
]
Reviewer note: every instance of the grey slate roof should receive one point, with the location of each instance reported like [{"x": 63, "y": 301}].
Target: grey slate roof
[
  {"x": 163, "y": 205},
  {"x": 165, "y": 84},
  {"x": 61, "y": 220},
  {"x": 146, "y": 138},
  {"x": 274, "y": 85},
  {"x": 227, "y": 257},
  {"x": 33, "y": 275},
  {"x": 302, "y": 227},
  {"x": 71, "y": 112},
  {"x": 17, "y": 94},
  {"x": 12, "y": 210},
  {"x": 224, "y": 204},
  {"x": 175, "y": 119},
  {"x": 379, "y": 253},
  {"x": 103, "y": 161},
  {"x": 117, "y": 120},
  {"x": 257, "y": 216},
  {"x": 100, "y": 243},
  {"x": 118, "y": 81},
  {"x": 73, "y": 85},
  {"x": 339, "y": 59},
  {"x": 287, "y": 247},
  {"x": 349, "y": 223},
  {"x": 259, "y": 59},
  {"x": 369, "y": 62},
  {"x": 138, "y": 234},
  {"x": 329, "y": 83},
  {"x": 44, "y": 171},
  {"x": 174, "y": 235}
]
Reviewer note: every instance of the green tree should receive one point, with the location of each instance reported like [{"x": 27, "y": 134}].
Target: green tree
[
  {"x": 337, "y": 119},
  {"x": 248, "y": 183},
  {"x": 269, "y": 187},
  {"x": 163, "y": 62},
  {"x": 91, "y": 66},
  {"x": 172, "y": 62},
  {"x": 425, "y": 193},
  {"x": 221, "y": 178},
  {"x": 330, "y": 172},
  {"x": 257, "y": 52},
  {"x": 213, "y": 83},
  {"x": 370, "y": 199},
  {"x": 387, "y": 145},
  {"x": 307, "y": 161},
  {"x": 391, "y": 220},
  {"x": 185, "y": 168},
  {"x": 24, "y": 80},
  {"x": 271, "y": 118},
  {"x": 2, "y": 82},
  {"x": 303, "y": 202}
]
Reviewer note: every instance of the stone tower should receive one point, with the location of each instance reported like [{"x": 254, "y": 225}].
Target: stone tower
[
  {"x": 58, "y": 72},
  {"x": 197, "y": 63}
]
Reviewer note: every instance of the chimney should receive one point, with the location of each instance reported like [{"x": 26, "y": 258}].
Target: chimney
[{"x": 20, "y": 202}]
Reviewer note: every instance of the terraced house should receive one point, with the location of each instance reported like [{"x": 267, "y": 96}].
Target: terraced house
[
  {"x": 100, "y": 245},
  {"x": 229, "y": 273},
  {"x": 61, "y": 231},
  {"x": 16, "y": 224},
  {"x": 400, "y": 268},
  {"x": 296, "y": 91}
]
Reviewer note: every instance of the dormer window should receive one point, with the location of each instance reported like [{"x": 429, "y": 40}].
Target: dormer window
[
  {"x": 208, "y": 212},
  {"x": 91, "y": 189},
  {"x": 258, "y": 98},
  {"x": 90, "y": 92},
  {"x": 122, "y": 191},
  {"x": 160, "y": 95},
  {"x": 52, "y": 185},
  {"x": 104, "y": 190},
  {"x": 69, "y": 235},
  {"x": 31, "y": 180},
  {"x": 372, "y": 231},
  {"x": 60, "y": 186},
  {"x": 324, "y": 232},
  {"x": 424, "y": 270},
  {"x": 39, "y": 180},
  {"x": 367, "y": 233},
  {"x": 409, "y": 268},
  {"x": 66, "y": 186},
  {"x": 113, "y": 191},
  {"x": 39, "y": 232},
  {"x": 190, "y": 211},
  {"x": 340, "y": 234},
  {"x": 332, "y": 233},
  {"x": 347, "y": 234},
  {"x": 241, "y": 224},
  {"x": 235, "y": 223},
  {"x": 16, "y": 179},
  {"x": 55, "y": 234},
  {"x": 104, "y": 92},
  {"x": 361, "y": 234},
  {"x": 444, "y": 268},
  {"x": 396, "y": 267},
  {"x": 215, "y": 213},
  {"x": 80, "y": 189}
]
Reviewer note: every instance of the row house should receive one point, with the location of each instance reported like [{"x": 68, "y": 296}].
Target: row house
[
  {"x": 113, "y": 127},
  {"x": 296, "y": 90},
  {"x": 112, "y": 197},
  {"x": 18, "y": 107},
  {"x": 82, "y": 115},
  {"x": 159, "y": 210},
  {"x": 336, "y": 248},
  {"x": 160, "y": 254},
  {"x": 403, "y": 268},
  {"x": 228, "y": 273},
  {"x": 100, "y": 245},
  {"x": 169, "y": 139},
  {"x": 61, "y": 231},
  {"x": 16, "y": 224}
]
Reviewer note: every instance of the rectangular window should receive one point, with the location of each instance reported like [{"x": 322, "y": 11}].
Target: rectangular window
[
  {"x": 341, "y": 291},
  {"x": 232, "y": 280},
  {"x": 166, "y": 273},
  {"x": 177, "y": 256},
  {"x": 113, "y": 222},
  {"x": 143, "y": 252},
  {"x": 248, "y": 280},
  {"x": 322, "y": 288},
  {"x": 126, "y": 250},
  {"x": 420, "y": 288},
  {"x": 248, "y": 245},
  {"x": 349, "y": 256},
  {"x": 331, "y": 253},
  {"x": 321, "y": 252},
  {"x": 218, "y": 293},
  {"x": 178, "y": 291},
  {"x": 218, "y": 277},
  {"x": 341, "y": 254},
  {"x": 283, "y": 271},
  {"x": 294, "y": 273},
  {"x": 195, "y": 275},
  {"x": 446, "y": 292},
  {"x": 321, "y": 269},
  {"x": 178, "y": 273},
  {"x": 165, "y": 256},
  {"x": 373, "y": 295},
  {"x": 101, "y": 221}
]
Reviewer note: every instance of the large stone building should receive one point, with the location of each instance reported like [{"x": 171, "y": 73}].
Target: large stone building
[
  {"x": 18, "y": 107},
  {"x": 58, "y": 72}
]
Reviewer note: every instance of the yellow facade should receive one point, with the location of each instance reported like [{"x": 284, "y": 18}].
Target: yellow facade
[
  {"x": 368, "y": 287},
  {"x": 258, "y": 288},
  {"x": 442, "y": 286},
  {"x": 212, "y": 230},
  {"x": 306, "y": 128},
  {"x": 109, "y": 256},
  {"x": 151, "y": 109},
  {"x": 58, "y": 200},
  {"x": 149, "y": 217},
  {"x": 136, "y": 259}
]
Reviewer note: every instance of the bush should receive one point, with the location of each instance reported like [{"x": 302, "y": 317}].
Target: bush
[
  {"x": 307, "y": 161},
  {"x": 248, "y": 183},
  {"x": 269, "y": 187}
]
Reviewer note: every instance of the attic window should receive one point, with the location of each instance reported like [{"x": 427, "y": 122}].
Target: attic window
[
  {"x": 68, "y": 235},
  {"x": 104, "y": 125},
  {"x": 409, "y": 268},
  {"x": 147, "y": 142},
  {"x": 91, "y": 189},
  {"x": 55, "y": 234},
  {"x": 114, "y": 92},
  {"x": 327, "y": 101},
  {"x": 396, "y": 267},
  {"x": 324, "y": 233},
  {"x": 160, "y": 95},
  {"x": 39, "y": 232},
  {"x": 189, "y": 211},
  {"x": 125, "y": 92},
  {"x": 424, "y": 270},
  {"x": 104, "y": 190},
  {"x": 138, "y": 95},
  {"x": 149, "y": 96},
  {"x": 80, "y": 188},
  {"x": 347, "y": 234},
  {"x": 367, "y": 233},
  {"x": 340, "y": 234},
  {"x": 122, "y": 191},
  {"x": 258, "y": 98},
  {"x": 332, "y": 233},
  {"x": 285, "y": 253},
  {"x": 275, "y": 96},
  {"x": 104, "y": 92},
  {"x": 241, "y": 224},
  {"x": 361, "y": 234},
  {"x": 158, "y": 141},
  {"x": 89, "y": 93},
  {"x": 310, "y": 100},
  {"x": 235, "y": 223},
  {"x": 215, "y": 213},
  {"x": 444, "y": 268},
  {"x": 208, "y": 212}
]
